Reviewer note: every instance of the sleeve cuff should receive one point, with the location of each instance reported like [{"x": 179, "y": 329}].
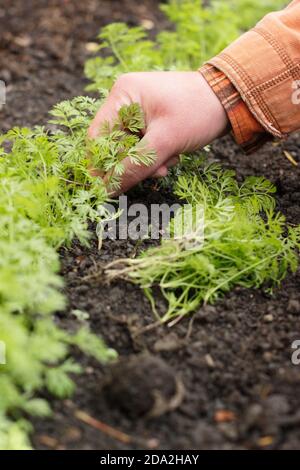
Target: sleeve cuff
[{"x": 247, "y": 131}]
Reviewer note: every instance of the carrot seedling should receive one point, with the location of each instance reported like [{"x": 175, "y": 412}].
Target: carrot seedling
[{"x": 244, "y": 242}]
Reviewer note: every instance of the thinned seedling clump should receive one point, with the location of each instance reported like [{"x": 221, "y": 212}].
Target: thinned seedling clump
[{"x": 244, "y": 242}]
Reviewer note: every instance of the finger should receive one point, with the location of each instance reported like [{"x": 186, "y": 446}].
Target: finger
[
  {"x": 162, "y": 172},
  {"x": 155, "y": 140},
  {"x": 108, "y": 113},
  {"x": 172, "y": 162}
]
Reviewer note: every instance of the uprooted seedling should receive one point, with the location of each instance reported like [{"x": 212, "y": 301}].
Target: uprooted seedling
[{"x": 241, "y": 241}]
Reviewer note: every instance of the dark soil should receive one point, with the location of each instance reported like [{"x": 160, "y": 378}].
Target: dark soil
[{"x": 221, "y": 379}]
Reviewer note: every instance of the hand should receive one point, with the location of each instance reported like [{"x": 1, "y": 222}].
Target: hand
[{"x": 181, "y": 111}]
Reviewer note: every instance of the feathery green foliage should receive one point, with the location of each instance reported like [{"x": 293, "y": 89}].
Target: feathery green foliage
[
  {"x": 47, "y": 197},
  {"x": 240, "y": 240},
  {"x": 198, "y": 32}
]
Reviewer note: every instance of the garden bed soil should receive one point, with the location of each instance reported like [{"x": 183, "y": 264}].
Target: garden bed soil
[{"x": 222, "y": 378}]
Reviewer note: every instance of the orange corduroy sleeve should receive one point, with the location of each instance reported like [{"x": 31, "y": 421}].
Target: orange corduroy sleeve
[
  {"x": 246, "y": 130},
  {"x": 257, "y": 78}
]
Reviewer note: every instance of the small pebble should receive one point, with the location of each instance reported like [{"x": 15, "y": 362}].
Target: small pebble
[
  {"x": 268, "y": 318},
  {"x": 209, "y": 360}
]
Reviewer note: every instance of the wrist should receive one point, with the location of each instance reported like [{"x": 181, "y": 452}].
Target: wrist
[{"x": 217, "y": 117}]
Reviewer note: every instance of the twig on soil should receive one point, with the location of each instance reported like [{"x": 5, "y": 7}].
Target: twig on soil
[
  {"x": 290, "y": 158},
  {"x": 114, "y": 433},
  {"x": 48, "y": 441}
]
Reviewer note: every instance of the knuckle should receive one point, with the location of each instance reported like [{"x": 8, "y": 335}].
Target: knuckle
[
  {"x": 124, "y": 80},
  {"x": 133, "y": 173}
]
